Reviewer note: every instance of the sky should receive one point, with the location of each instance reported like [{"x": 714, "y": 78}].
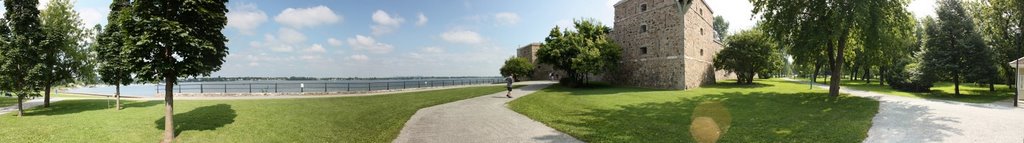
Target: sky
[{"x": 386, "y": 38}]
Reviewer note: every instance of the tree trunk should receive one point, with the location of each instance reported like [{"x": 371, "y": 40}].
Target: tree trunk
[
  {"x": 817, "y": 68},
  {"x": 117, "y": 96},
  {"x": 833, "y": 89},
  {"x": 867, "y": 74},
  {"x": 991, "y": 87},
  {"x": 46, "y": 97},
  {"x": 956, "y": 84},
  {"x": 169, "y": 109},
  {"x": 21, "y": 99}
]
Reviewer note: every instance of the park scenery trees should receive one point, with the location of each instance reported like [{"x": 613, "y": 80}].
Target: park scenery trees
[
  {"x": 65, "y": 56},
  {"x": 21, "y": 57},
  {"x": 955, "y": 50},
  {"x": 581, "y": 52},
  {"x": 748, "y": 53},
  {"x": 520, "y": 67},
  {"x": 112, "y": 64},
  {"x": 172, "y": 39}
]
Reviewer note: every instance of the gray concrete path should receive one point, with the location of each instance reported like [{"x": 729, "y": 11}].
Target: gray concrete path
[
  {"x": 484, "y": 119},
  {"x": 27, "y": 105},
  {"x": 914, "y": 120}
]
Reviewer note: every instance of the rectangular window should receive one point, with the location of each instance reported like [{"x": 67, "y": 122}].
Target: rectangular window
[
  {"x": 643, "y": 50},
  {"x": 643, "y": 7},
  {"x": 643, "y": 28}
]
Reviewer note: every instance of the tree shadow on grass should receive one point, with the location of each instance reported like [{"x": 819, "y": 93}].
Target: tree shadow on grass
[
  {"x": 753, "y": 117},
  {"x": 77, "y": 106},
  {"x": 201, "y": 119}
]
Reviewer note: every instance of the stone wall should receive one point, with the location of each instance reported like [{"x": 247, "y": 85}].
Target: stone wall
[
  {"x": 540, "y": 71},
  {"x": 671, "y": 61}
]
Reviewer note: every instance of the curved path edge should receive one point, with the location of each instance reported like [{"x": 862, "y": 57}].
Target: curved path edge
[{"x": 478, "y": 120}]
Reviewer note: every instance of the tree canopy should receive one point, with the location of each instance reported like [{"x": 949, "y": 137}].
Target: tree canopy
[
  {"x": 747, "y": 53},
  {"x": 955, "y": 50},
  {"x": 21, "y": 57},
  {"x": 66, "y": 59},
  {"x": 581, "y": 52},
  {"x": 171, "y": 39},
  {"x": 521, "y": 67},
  {"x": 721, "y": 27}
]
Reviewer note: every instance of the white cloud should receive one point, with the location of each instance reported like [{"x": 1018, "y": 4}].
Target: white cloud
[
  {"x": 422, "y": 20},
  {"x": 462, "y": 36},
  {"x": 385, "y": 23},
  {"x": 359, "y": 58},
  {"x": 922, "y": 8},
  {"x": 334, "y": 42},
  {"x": 316, "y": 48},
  {"x": 307, "y": 17},
  {"x": 245, "y": 17},
  {"x": 506, "y": 18},
  {"x": 365, "y": 43},
  {"x": 433, "y": 50},
  {"x": 291, "y": 36}
]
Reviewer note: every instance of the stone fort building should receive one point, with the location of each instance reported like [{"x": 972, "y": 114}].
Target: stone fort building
[
  {"x": 540, "y": 71},
  {"x": 668, "y": 44}
]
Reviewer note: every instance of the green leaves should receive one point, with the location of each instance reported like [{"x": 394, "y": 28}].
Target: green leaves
[
  {"x": 65, "y": 56},
  {"x": 587, "y": 50},
  {"x": 182, "y": 43},
  {"x": 748, "y": 53},
  {"x": 518, "y": 66}
]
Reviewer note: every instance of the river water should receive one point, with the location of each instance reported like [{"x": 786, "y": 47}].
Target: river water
[{"x": 272, "y": 86}]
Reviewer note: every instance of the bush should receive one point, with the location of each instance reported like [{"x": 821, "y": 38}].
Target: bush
[{"x": 910, "y": 80}]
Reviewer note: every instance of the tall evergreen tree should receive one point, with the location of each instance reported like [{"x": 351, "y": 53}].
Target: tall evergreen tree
[
  {"x": 955, "y": 51},
  {"x": 721, "y": 27},
  {"x": 172, "y": 39},
  {"x": 21, "y": 66}
]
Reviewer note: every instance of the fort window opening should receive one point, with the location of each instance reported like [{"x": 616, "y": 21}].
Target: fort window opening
[
  {"x": 643, "y": 50},
  {"x": 643, "y": 28},
  {"x": 643, "y": 7}
]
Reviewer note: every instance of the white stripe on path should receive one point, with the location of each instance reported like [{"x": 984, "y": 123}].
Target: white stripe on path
[
  {"x": 914, "y": 120},
  {"x": 483, "y": 119},
  {"x": 27, "y": 105}
]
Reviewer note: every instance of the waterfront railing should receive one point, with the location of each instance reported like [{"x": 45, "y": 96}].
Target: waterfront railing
[{"x": 322, "y": 87}]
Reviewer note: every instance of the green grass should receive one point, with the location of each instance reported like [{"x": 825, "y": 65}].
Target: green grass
[
  {"x": 7, "y": 101},
  {"x": 770, "y": 111},
  {"x": 342, "y": 119},
  {"x": 970, "y": 92}
]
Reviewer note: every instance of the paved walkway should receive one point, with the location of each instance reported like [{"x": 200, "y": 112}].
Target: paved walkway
[
  {"x": 904, "y": 119},
  {"x": 27, "y": 105},
  {"x": 478, "y": 120}
]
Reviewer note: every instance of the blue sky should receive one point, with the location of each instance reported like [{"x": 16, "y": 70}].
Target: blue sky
[{"x": 383, "y": 38}]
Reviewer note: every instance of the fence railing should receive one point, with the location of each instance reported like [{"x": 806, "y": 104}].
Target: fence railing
[{"x": 323, "y": 87}]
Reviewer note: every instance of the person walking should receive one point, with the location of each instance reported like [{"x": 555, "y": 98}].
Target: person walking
[{"x": 508, "y": 85}]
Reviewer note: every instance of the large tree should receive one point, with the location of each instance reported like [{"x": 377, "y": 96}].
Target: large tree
[
  {"x": 816, "y": 26},
  {"x": 65, "y": 58},
  {"x": 581, "y": 52},
  {"x": 113, "y": 67},
  {"x": 171, "y": 39},
  {"x": 955, "y": 50},
  {"x": 748, "y": 53},
  {"x": 21, "y": 66},
  {"x": 1001, "y": 23},
  {"x": 520, "y": 67},
  {"x": 721, "y": 27}
]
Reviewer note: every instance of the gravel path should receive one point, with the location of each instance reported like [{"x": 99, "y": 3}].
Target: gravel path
[
  {"x": 914, "y": 120},
  {"x": 479, "y": 120},
  {"x": 27, "y": 105}
]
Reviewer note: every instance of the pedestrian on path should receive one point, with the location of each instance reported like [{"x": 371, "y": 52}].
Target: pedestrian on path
[{"x": 508, "y": 85}]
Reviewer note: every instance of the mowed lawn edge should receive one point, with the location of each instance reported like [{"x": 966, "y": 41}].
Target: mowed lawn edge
[
  {"x": 377, "y": 118},
  {"x": 970, "y": 93},
  {"x": 770, "y": 111}
]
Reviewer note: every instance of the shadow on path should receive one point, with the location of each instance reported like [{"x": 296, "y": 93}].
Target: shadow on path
[{"x": 201, "y": 119}]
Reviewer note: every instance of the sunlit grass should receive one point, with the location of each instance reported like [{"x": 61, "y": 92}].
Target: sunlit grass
[
  {"x": 770, "y": 111},
  {"x": 970, "y": 92},
  {"x": 341, "y": 119}
]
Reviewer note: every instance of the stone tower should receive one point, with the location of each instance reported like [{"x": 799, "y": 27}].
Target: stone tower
[{"x": 667, "y": 44}]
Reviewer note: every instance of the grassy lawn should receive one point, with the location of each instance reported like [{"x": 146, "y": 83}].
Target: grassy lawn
[
  {"x": 342, "y": 119},
  {"x": 770, "y": 111},
  {"x": 970, "y": 92},
  {"x": 8, "y": 101}
]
